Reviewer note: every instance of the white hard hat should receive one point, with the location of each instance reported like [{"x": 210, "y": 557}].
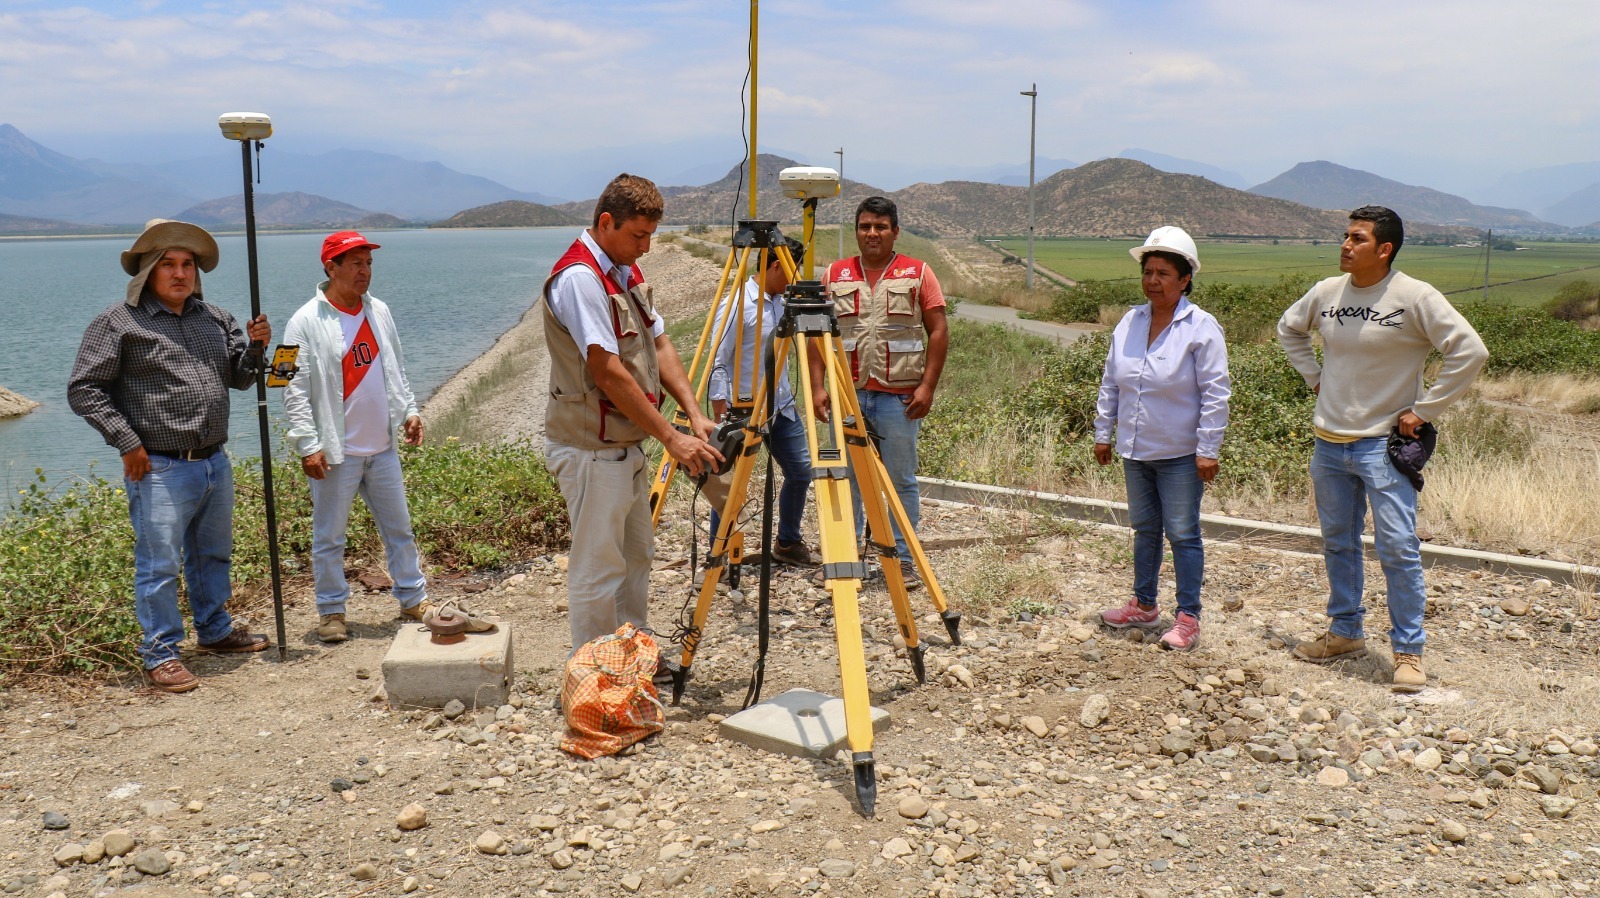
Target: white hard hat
[{"x": 1169, "y": 239}]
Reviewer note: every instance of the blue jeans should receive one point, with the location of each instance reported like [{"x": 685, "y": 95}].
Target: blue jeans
[
  {"x": 377, "y": 478},
  {"x": 898, "y": 449},
  {"x": 787, "y": 443},
  {"x": 182, "y": 514},
  {"x": 1345, "y": 476},
  {"x": 1164, "y": 496}
]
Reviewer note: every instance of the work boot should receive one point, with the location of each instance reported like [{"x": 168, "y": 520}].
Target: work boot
[
  {"x": 1330, "y": 647},
  {"x": 239, "y": 640},
  {"x": 1132, "y": 614},
  {"x": 172, "y": 676},
  {"x": 1408, "y": 675},
  {"x": 794, "y": 553},
  {"x": 332, "y": 628},
  {"x": 1184, "y": 635},
  {"x": 419, "y": 612},
  {"x": 908, "y": 572}
]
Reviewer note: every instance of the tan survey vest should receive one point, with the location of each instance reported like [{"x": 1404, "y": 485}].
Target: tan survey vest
[
  {"x": 578, "y": 413},
  {"x": 881, "y": 327}
]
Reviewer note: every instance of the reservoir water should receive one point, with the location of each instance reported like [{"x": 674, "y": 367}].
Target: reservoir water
[{"x": 452, "y": 292}]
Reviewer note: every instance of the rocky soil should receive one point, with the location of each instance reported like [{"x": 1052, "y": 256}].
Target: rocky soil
[{"x": 1044, "y": 756}]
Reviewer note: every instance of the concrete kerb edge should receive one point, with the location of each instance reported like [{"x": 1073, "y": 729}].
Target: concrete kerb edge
[{"x": 1261, "y": 534}]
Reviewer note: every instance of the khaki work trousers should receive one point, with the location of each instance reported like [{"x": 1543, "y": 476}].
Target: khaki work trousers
[{"x": 613, "y": 542}]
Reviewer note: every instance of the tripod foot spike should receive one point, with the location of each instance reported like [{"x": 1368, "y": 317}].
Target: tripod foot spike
[
  {"x": 917, "y": 668},
  {"x": 866, "y": 781},
  {"x": 952, "y": 624},
  {"x": 680, "y": 680}
]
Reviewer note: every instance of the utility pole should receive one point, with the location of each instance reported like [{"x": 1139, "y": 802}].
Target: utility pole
[
  {"x": 843, "y": 193},
  {"x": 1488, "y": 251},
  {"x": 1033, "y": 125}
]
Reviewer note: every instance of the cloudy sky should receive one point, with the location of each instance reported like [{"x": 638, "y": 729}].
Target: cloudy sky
[{"x": 549, "y": 96}]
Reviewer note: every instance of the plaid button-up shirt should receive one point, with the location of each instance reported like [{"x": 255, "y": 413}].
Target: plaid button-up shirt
[{"x": 147, "y": 377}]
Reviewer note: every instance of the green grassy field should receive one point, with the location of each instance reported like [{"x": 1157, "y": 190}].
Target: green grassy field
[{"x": 1524, "y": 277}]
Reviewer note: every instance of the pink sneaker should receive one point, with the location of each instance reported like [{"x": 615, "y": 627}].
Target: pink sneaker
[
  {"x": 1132, "y": 615},
  {"x": 1185, "y": 633}
]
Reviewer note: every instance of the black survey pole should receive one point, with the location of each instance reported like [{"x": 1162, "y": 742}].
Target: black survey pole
[{"x": 257, "y": 352}]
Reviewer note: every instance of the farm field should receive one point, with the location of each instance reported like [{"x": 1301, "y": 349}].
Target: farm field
[{"x": 1525, "y": 277}]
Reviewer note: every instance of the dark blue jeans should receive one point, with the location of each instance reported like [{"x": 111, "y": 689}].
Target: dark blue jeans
[
  {"x": 787, "y": 443},
  {"x": 1164, "y": 496}
]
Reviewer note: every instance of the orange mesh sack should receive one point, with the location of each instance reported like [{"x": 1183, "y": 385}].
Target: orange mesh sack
[{"x": 609, "y": 700}]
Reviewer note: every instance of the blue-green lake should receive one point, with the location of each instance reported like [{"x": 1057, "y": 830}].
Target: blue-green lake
[{"x": 453, "y": 292}]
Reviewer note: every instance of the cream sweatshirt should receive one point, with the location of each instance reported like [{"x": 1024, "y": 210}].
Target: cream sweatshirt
[{"x": 1375, "y": 342}]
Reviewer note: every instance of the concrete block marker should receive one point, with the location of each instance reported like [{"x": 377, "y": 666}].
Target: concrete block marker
[
  {"x": 419, "y": 673},
  {"x": 799, "y": 722}
]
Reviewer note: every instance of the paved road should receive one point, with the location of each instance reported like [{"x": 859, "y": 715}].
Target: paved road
[{"x": 1061, "y": 333}]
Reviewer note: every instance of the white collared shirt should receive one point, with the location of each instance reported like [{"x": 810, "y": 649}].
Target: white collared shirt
[
  {"x": 771, "y": 311},
  {"x": 1168, "y": 399},
  {"x": 582, "y": 303}
]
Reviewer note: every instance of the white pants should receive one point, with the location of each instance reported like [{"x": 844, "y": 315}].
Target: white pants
[{"x": 613, "y": 542}]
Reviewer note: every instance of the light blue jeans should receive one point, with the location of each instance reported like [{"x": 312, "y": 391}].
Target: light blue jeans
[
  {"x": 1164, "y": 497},
  {"x": 377, "y": 478},
  {"x": 898, "y": 449},
  {"x": 182, "y": 514},
  {"x": 1345, "y": 477}
]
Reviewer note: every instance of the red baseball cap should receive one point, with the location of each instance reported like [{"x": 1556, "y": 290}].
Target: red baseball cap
[{"x": 341, "y": 242}]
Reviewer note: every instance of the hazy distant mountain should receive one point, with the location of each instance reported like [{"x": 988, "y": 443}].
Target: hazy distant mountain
[
  {"x": 1186, "y": 167},
  {"x": 38, "y": 182},
  {"x": 1576, "y": 209},
  {"x": 1325, "y": 185},
  {"x": 282, "y": 210},
  {"x": 1541, "y": 188},
  {"x": 1111, "y": 197},
  {"x": 1016, "y": 173},
  {"x": 22, "y": 224},
  {"x": 510, "y": 214}
]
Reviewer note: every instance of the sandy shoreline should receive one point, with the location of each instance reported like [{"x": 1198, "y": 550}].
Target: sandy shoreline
[{"x": 508, "y": 407}]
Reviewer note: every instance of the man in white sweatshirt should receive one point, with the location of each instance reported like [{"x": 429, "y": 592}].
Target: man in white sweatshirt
[
  {"x": 1378, "y": 326},
  {"x": 345, "y": 407}
]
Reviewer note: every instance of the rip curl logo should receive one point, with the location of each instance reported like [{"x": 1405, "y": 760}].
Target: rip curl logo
[{"x": 1365, "y": 313}]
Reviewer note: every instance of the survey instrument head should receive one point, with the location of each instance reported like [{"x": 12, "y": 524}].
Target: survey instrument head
[
  {"x": 807, "y": 182},
  {"x": 245, "y": 125}
]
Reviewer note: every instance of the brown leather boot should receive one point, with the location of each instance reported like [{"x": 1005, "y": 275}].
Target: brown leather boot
[
  {"x": 172, "y": 676},
  {"x": 1328, "y": 647}
]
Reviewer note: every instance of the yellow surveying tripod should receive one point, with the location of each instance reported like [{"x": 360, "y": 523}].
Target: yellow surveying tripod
[{"x": 808, "y": 325}]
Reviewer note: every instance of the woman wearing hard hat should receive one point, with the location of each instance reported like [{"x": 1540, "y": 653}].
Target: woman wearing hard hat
[{"x": 1165, "y": 393}]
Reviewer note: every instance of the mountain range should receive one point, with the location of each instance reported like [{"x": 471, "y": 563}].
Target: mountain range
[{"x": 42, "y": 190}]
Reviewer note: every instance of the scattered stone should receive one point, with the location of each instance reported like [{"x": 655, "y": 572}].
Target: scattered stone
[
  {"x": 1181, "y": 742},
  {"x": 454, "y": 709},
  {"x": 1557, "y": 807},
  {"x": 412, "y": 816},
  {"x": 340, "y": 784},
  {"x": 118, "y": 842},
  {"x": 95, "y": 851},
  {"x": 1516, "y": 606},
  {"x": 69, "y": 854},
  {"x": 1036, "y": 725},
  {"x": 490, "y": 842},
  {"x": 1333, "y": 777},
  {"x": 365, "y": 871},
  {"x": 1428, "y": 759},
  {"x": 672, "y": 877},
  {"x": 767, "y": 826},
  {"x": 896, "y": 848},
  {"x": 54, "y": 820},
  {"x": 161, "y": 807},
  {"x": 913, "y": 807},
  {"x": 410, "y": 885},
  {"x": 1548, "y": 781},
  {"x": 632, "y": 881},
  {"x": 1452, "y": 830},
  {"x": 561, "y": 859},
  {"x": 837, "y": 868},
  {"x": 152, "y": 862},
  {"x": 1096, "y": 708}
]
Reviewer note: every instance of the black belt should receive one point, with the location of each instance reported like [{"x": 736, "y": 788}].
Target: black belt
[{"x": 187, "y": 454}]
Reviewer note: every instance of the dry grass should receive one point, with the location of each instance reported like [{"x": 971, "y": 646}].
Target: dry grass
[
  {"x": 1553, "y": 392},
  {"x": 1110, "y": 315},
  {"x": 1538, "y": 503}
]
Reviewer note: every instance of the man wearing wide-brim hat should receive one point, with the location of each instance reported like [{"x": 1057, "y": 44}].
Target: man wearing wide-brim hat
[{"x": 152, "y": 375}]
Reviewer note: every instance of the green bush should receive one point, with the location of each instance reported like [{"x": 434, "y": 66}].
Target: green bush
[
  {"x": 1083, "y": 302},
  {"x": 1530, "y": 341},
  {"x": 1574, "y": 302},
  {"x": 1250, "y": 312},
  {"x": 66, "y": 555}
]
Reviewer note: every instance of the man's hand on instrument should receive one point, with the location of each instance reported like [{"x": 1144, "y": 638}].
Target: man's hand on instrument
[
  {"x": 693, "y": 453},
  {"x": 259, "y": 330}
]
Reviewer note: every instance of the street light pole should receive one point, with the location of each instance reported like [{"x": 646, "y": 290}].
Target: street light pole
[
  {"x": 1033, "y": 125},
  {"x": 840, "y": 153}
]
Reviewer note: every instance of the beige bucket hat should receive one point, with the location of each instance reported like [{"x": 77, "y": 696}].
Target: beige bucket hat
[{"x": 161, "y": 235}]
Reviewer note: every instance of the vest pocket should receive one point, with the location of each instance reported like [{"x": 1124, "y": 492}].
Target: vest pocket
[
  {"x": 900, "y": 298},
  {"x": 906, "y": 359},
  {"x": 624, "y": 320},
  {"x": 846, "y": 300}
]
